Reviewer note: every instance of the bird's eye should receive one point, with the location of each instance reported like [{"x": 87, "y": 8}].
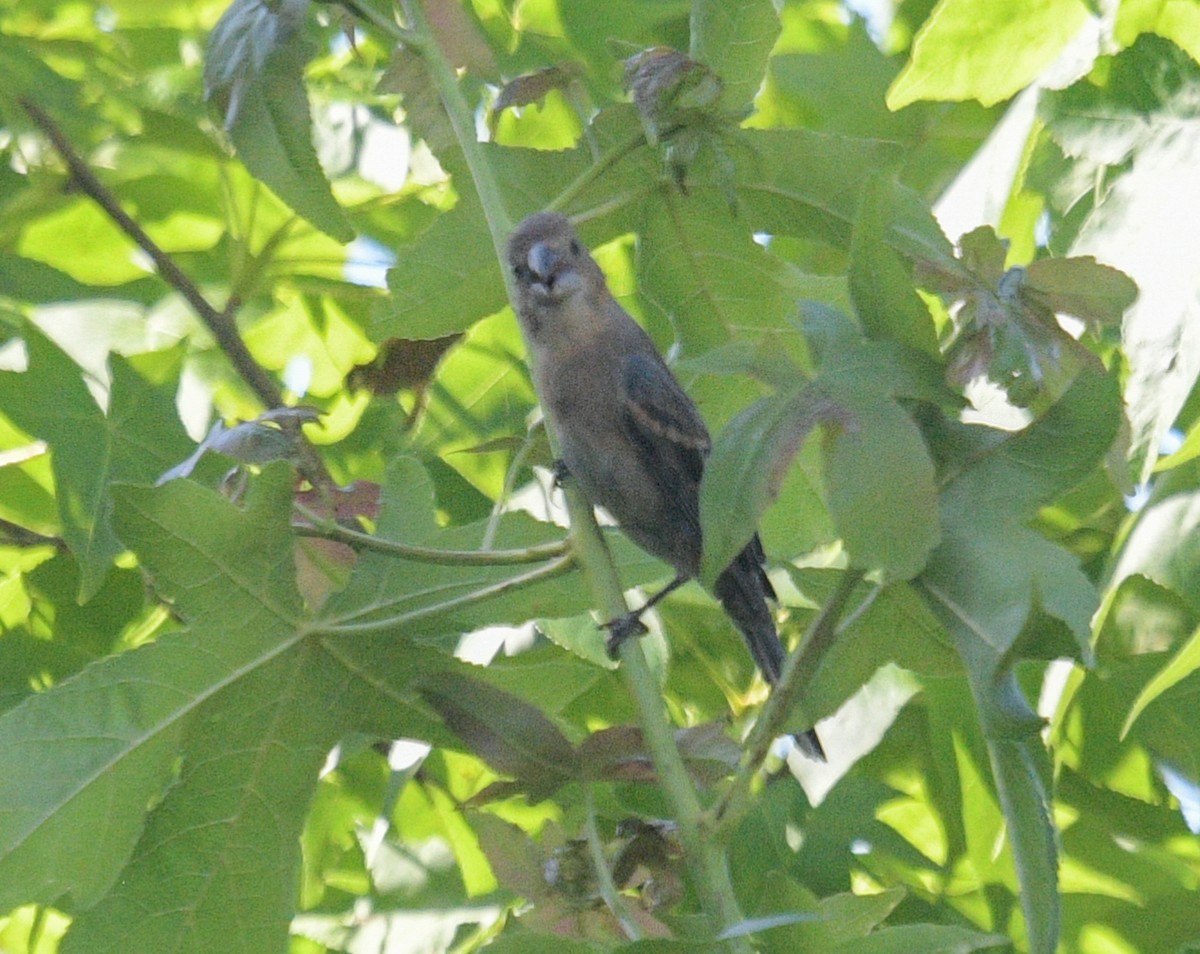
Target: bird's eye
[
  {"x": 574, "y": 247},
  {"x": 522, "y": 273}
]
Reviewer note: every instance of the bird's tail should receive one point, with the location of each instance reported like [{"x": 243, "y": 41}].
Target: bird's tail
[{"x": 743, "y": 589}]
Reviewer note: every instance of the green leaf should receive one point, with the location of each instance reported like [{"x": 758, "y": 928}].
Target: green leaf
[
  {"x": 742, "y": 476},
  {"x": 1081, "y": 287},
  {"x": 984, "y": 582},
  {"x": 51, "y": 851},
  {"x": 884, "y": 297},
  {"x": 735, "y": 39},
  {"x": 1178, "y": 22},
  {"x": 868, "y": 641},
  {"x": 34, "y": 281},
  {"x": 223, "y": 847},
  {"x": 1189, "y": 450},
  {"x": 249, "y": 701},
  {"x": 528, "y": 942},
  {"x": 144, "y": 698},
  {"x": 137, "y": 439},
  {"x": 28, "y": 75},
  {"x": 926, "y": 938},
  {"x": 1181, "y": 666},
  {"x": 989, "y": 566},
  {"x": 976, "y": 49},
  {"x": 434, "y": 293},
  {"x": 809, "y": 183},
  {"x": 879, "y": 475},
  {"x": 881, "y": 486},
  {"x": 701, "y": 272},
  {"x": 254, "y": 72},
  {"x": 1164, "y": 546}
]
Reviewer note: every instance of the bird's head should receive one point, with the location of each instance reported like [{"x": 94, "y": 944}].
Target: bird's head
[{"x": 551, "y": 267}]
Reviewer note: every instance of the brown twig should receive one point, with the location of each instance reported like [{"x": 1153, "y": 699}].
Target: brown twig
[
  {"x": 220, "y": 323},
  {"x": 222, "y": 326},
  {"x": 13, "y": 534}
]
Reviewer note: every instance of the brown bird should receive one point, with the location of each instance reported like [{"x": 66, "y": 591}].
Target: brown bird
[{"x": 627, "y": 431}]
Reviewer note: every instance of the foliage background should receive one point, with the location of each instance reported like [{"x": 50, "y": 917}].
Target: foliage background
[{"x": 199, "y": 702}]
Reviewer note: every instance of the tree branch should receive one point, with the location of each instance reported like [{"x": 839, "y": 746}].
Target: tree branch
[
  {"x": 13, "y": 534},
  {"x": 221, "y": 325}
]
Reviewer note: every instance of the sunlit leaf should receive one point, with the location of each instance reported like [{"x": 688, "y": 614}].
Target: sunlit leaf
[{"x": 986, "y": 51}]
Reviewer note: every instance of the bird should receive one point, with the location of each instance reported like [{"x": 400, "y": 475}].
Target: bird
[{"x": 626, "y": 430}]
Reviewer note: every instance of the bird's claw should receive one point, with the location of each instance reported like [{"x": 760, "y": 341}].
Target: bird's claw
[
  {"x": 560, "y": 471},
  {"x": 620, "y": 629}
]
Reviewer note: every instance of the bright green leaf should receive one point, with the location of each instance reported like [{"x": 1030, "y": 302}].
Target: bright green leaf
[
  {"x": 976, "y": 49},
  {"x": 1182, "y": 665}
]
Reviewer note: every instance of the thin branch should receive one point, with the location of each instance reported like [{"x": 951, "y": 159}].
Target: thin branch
[
  {"x": 325, "y": 528},
  {"x": 597, "y": 169},
  {"x": 797, "y": 671},
  {"x": 510, "y": 480},
  {"x": 616, "y": 202},
  {"x": 608, "y": 888},
  {"x": 545, "y": 572},
  {"x": 222, "y": 327},
  {"x": 14, "y": 535}
]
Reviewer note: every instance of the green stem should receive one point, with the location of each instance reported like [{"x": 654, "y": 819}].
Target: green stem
[
  {"x": 462, "y": 121},
  {"x": 326, "y": 529},
  {"x": 727, "y": 813},
  {"x": 608, "y": 889},
  {"x": 510, "y": 482},
  {"x": 390, "y": 623},
  {"x": 593, "y": 172}
]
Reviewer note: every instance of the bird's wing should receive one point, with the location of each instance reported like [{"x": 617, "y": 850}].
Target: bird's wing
[{"x": 661, "y": 418}]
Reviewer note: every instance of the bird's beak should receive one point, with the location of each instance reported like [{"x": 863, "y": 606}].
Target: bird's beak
[{"x": 543, "y": 261}]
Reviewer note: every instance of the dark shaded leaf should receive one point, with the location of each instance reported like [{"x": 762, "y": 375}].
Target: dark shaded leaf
[
  {"x": 512, "y": 736},
  {"x": 1095, "y": 293},
  {"x": 749, "y": 460},
  {"x": 533, "y": 87}
]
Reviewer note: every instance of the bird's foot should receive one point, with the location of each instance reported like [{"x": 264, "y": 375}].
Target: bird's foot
[
  {"x": 560, "y": 471},
  {"x": 620, "y": 629}
]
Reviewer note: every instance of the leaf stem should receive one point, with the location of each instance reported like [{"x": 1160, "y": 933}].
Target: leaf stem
[
  {"x": 545, "y": 572},
  {"x": 325, "y": 528},
  {"x": 608, "y": 888},
  {"x": 597, "y": 169},
  {"x": 462, "y": 121}
]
